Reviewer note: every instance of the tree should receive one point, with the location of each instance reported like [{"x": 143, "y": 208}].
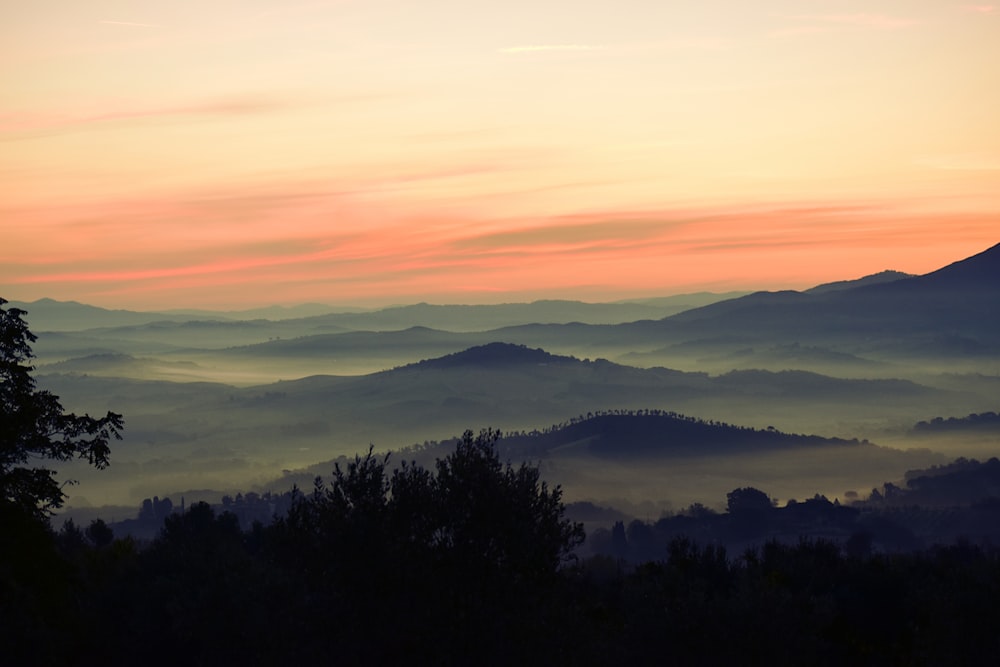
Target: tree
[
  {"x": 34, "y": 426},
  {"x": 747, "y": 499},
  {"x": 461, "y": 560},
  {"x": 500, "y": 516},
  {"x": 99, "y": 533}
]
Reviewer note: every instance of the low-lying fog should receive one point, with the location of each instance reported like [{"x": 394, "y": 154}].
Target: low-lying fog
[{"x": 214, "y": 407}]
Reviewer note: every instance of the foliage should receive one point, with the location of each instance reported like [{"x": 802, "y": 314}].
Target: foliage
[
  {"x": 466, "y": 553},
  {"x": 474, "y": 511},
  {"x": 747, "y": 499},
  {"x": 33, "y": 426},
  {"x": 403, "y": 568}
]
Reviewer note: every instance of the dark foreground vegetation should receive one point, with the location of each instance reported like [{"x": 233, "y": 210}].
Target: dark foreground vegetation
[{"x": 472, "y": 563}]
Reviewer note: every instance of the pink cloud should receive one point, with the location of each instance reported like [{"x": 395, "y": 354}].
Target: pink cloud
[
  {"x": 247, "y": 247},
  {"x": 818, "y": 23}
]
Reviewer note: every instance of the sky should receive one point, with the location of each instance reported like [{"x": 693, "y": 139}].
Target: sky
[{"x": 237, "y": 153}]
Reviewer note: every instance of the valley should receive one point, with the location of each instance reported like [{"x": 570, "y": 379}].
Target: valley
[{"x": 219, "y": 404}]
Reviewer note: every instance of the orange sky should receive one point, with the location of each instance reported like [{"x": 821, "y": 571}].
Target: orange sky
[{"x": 247, "y": 152}]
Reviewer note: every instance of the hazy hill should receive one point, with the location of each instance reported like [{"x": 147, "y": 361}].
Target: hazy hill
[
  {"x": 952, "y": 313},
  {"x": 729, "y": 354},
  {"x": 118, "y": 365},
  {"x": 285, "y": 347},
  {"x": 514, "y": 387},
  {"x": 202, "y": 435},
  {"x": 962, "y": 482},
  {"x": 274, "y": 312},
  {"x": 873, "y": 279},
  {"x": 203, "y": 334},
  {"x": 931, "y": 322},
  {"x": 986, "y": 423},
  {"x": 461, "y": 318},
  {"x": 657, "y": 434},
  {"x": 304, "y": 319},
  {"x": 495, "y": 355},
  {"x": 52, "y": 315},
  {"x": 954, "y": 310}
]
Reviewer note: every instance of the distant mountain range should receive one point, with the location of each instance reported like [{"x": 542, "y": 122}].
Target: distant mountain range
[
  {"x": 961, "y": 299},
  {"x": 51, "y": 315},
  {"x": 850, "y": 326},
  {"x": 866, "y": 358}
]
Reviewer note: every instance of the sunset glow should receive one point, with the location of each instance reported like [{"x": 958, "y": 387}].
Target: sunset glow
[{"x": 232, "y": 154}]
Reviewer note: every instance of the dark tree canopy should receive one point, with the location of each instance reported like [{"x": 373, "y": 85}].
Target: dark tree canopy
[
  {"x": 747, "y": 499},
  {"x": 34, "y": 427},
  {"x": 475, "y": 511}
]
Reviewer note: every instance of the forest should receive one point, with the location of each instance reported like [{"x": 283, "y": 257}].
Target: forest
[{"x": 476, "y": 562}]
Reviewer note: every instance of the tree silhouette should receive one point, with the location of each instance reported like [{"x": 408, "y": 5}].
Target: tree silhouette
[
  {"x": 33, "y": 425},
  {"x": 99, "y": 533},
  {"x": 500, "y": 516},
  {"x": 747, "y": 499}
]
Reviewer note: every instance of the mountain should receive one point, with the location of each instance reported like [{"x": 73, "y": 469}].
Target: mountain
[
  {"x": 274, "y": 312},
  {"x": 52, "y": 315},
  {"x": 311, "y": 318},
  {"x": 874, "y": 279},
  {"x": 955, "y": 309},
  {"x": 979, "y": 273},
  {"x": 470, "y": 318},
  {"x": 872, "y": 327}
]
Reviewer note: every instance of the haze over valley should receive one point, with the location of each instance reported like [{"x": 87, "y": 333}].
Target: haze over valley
[{"x": 218, "y": 403}]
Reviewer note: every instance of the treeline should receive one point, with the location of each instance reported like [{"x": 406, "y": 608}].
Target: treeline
[
  {"x": 626, "y": 412},
  {"x": 964, "y": 482},
  {"x": 985, "y": 421},
  {"x": 957, "y": 502},
  {"x": 446, "y": 566},
  {"x": 247, "y": 507},
  {"x": 473, "y": 561},
  {"x": 621, "y": 432}
]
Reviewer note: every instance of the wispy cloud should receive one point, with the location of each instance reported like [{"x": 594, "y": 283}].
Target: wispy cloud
[
  {"x": 130, "y": 24},
  {"x": 962, "y": 162},
  {"x": 880, "y": 21},
  {"x": 981, "y": 9},
  {"x": 537, "y": 48},
  {"x": 805, "y": 24},
  {"x": 236, "y": 249},
  {"x": 30, "y": 125}
]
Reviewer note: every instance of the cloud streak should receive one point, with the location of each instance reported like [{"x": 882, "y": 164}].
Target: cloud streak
[
  {"x": 31, "y": 124},
  {"x": 807, "y": 24},
  {"x": 130, "y": 24},
  {"x": 541, "y": 48},
  {"x": 613, "y": 254}
]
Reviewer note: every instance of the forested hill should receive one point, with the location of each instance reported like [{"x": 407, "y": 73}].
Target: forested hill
[
  {"x": 654, "y": 433},
  {"x": 986, "y": 422}
]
